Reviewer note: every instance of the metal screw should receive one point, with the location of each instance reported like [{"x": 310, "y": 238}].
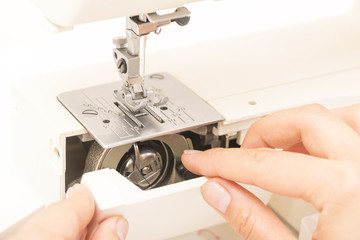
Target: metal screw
[
  {"x": 145, "y": 170},
  {"x": 121, "y": 65},
  {"x": 183, "y": 21},
  {"x": 120, "y": 42}
]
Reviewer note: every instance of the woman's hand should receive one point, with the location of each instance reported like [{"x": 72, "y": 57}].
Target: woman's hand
[
  {"x": 320, "y": 163},
  {"x": 68, "y": 219}
]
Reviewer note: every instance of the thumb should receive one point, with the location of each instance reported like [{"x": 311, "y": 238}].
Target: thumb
[
  {"x": 66, "y": 219},
  {"x": 113, "y": 228},
  {"x": 247, "y": 215}
]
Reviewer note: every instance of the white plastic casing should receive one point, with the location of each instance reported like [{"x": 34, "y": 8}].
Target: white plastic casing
[
  {"x": 311, "y": 63},
  {"x": 158, "y": 213},
  {"x": 67, "y": 13}
]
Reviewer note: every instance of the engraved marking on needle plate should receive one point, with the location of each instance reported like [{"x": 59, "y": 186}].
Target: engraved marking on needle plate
[
  {"x": 181, "y": 119},
  {"x": 94, "y": 106},
  {"x": 165, "y": 114},
  {"x": 109, "y": 111},
  {"x": 188, "y": 116},
  {"x": 120, "y": 113},
  {"x": 104, "y": 111},
  {"x": 177, "y": 115}
]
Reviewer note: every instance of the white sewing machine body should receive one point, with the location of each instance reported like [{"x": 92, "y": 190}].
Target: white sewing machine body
[{"x": 242, "y": 78}]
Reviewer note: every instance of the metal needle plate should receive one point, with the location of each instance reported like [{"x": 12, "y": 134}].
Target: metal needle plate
[{"x": 104, "y": 117}]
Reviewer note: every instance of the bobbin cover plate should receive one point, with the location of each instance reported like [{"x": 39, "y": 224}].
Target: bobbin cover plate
[{"x": 158, "y": 213}]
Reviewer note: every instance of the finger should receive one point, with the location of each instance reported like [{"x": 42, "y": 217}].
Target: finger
[
  {"x": 297, "y": 148},
  {"x": 350, "y": 115},
  {"x": 113, "y": 228},
  {"x": 66, "y": 219},
  {"x": 322, "y": 133},
  {"x": 280, "y": 172},
  {"x": 247, "y": 215}
]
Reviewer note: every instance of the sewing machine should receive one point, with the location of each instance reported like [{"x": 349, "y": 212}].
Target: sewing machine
[{"x": 121, "y": 129}]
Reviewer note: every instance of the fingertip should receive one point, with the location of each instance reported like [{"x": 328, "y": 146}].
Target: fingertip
[
  {"x": 191, "y": 155},
  {"x": 191, "y": 152},
  {"x": 202, "y": 162},
  {"x": 247, "y": 214},
  {"x": 112, "y": 228},
  {"x": 77, "y": 189},
  {"x": 72, "y": 190},
  {"x": 79, "y": 205},
  {"x": 67, "y": 219},
  {"x": 79, "y": 194},
  {"x": 216, "y": 195},
  {"x": 122, "y": 228},
  {"x": 188, "y": 158}
]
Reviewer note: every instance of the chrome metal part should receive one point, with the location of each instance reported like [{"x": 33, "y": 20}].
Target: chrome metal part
[
  {"x": 154, "y": 114},
  {"x": 147, "y": 164},
  {"x": 129, "y": 55},
  {"x": 111, "y": 126},
  {"x": 180, "y": 16},
  {"x": 120, "y": 42},
  {"x": 129, "y": 114}
]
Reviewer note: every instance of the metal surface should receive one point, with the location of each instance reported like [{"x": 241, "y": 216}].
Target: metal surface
[
  {"x": 154, "y": 114},
  {"x": 129, "y": 114},
  {"x": 147, "y": 164},
  {"x": 95, "y": 109},
  {"x": 181, "y": 15},
  {"x": 129, "y": 56},
  {"x": 120, "y": 42}
]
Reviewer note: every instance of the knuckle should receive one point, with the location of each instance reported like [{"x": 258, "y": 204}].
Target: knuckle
[
  {"x": 56, "y": 211},
  {"x": 244, "y": 223},
  {"x": 351, "y": 175},
  {"x": 313, "y": 108},
  {"x": 260, "y": 155},
  {"x": 355, "y": 108},
  {"x": 258, "y": 122},
  {"x": 216, "y": 153},
  {"x": 344, "y": 182},
  {"x": 355, "y": 116},
  {"x": 73, "y": 217}
]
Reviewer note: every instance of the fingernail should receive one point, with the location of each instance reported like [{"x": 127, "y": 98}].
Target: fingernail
[
  {"x": 190, "y": 152},
  {"x": 215, "y": 195},
  {"x": 122, "y": 228},
  {"x": 72, "y": 190}
]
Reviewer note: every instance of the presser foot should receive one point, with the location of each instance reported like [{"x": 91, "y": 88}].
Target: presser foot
[{"x": 134, "y": 103}]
